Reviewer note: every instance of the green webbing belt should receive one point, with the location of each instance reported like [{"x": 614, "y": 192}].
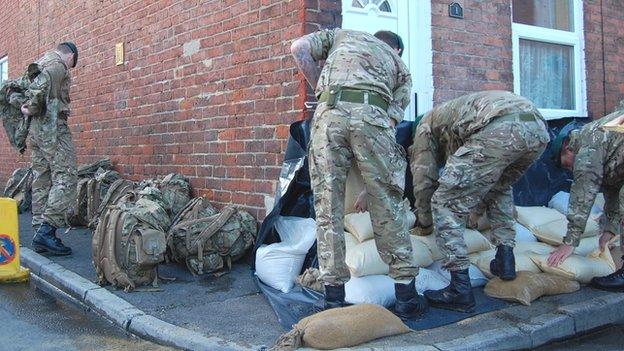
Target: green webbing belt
[{"x": 357, "y": 96}]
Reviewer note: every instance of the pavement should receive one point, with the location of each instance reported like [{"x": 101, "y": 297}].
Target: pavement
[
  {"x": 39, "y": 321},
  {"x": 229, "y": 312}
]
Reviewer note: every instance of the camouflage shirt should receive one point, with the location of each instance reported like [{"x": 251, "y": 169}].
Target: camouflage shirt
[
  {"x": 52, "y": 83},
  {"x": 358, "y": 60},
  {"x": 444, "y": 129},
  {"x": 599, "y": 162}
]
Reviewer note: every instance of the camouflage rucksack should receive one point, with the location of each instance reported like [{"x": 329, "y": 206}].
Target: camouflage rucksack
[
  {"x": 19, "y": 188},
  {"x": 79, "y": 217},
  {"x": 176, "y": 191},
  {"x": 129, "y": 242},
  {"x": 97, "y": 189},
  {"x": 205, "y": 240},
  {"x": 12, "y": 97},
  {"x": 117, "y": 190}
]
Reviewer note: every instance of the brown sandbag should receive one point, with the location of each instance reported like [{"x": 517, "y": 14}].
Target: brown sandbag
[
  {"x": 529, "y": 286},
  {"x": 342, "y": 327}
]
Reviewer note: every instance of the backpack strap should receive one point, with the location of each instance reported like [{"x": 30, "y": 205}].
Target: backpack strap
[{"x": 209, "y": 231}]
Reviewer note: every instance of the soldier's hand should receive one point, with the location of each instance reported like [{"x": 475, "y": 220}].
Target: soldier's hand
[
  {"x": 559, "y": 255},
  {"x": 605, "y": 239},
  {"x": 25, "y": 111},
  {"x": 361, "y": 203}
]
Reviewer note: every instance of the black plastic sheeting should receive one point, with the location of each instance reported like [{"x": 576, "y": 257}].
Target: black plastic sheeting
[
  {"x": 291, "y": 307},
  {"x": 294, "y": 198}
]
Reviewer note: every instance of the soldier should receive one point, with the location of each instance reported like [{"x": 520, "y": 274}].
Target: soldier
[
  {"x": 362, "y": 91},
  {"x": 53, "y": 154},
  {"x": 486, "y": 141},
  {"x": 596, "y": 157}
]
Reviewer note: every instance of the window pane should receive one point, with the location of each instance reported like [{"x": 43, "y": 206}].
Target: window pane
[
  {"x": 4, "y": 69},
  {"x": 547, "y": 74},
  {"x": 555, "y": 14}
]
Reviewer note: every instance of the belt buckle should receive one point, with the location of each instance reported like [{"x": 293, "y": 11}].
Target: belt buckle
[{"x": 366, "y": 97}]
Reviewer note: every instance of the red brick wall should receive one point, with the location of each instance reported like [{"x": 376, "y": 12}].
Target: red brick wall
[
  {"x": 605, "y": 76},
  {"x": 208, "y": 88},
  {"x": 473, "y": 53}
]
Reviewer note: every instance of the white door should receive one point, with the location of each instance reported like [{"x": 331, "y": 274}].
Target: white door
[{"x": 412, "y": 21}]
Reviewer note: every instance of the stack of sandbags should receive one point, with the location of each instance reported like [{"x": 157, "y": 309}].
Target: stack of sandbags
[{"x": 549, "y": 225}]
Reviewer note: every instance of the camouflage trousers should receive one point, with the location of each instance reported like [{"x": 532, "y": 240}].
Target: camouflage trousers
[
  {"x": 483, "y": 170},
  {"x": 54, "y": 173},
  {"x": 338, "y": 136}
]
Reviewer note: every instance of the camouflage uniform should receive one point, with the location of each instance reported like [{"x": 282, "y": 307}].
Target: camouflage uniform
[
  {"x": 486, "y": 150},
  {"x": 599, "y": 162},
  {"x": 53, "y": 153},
  {"x": 359, "y": 61}
]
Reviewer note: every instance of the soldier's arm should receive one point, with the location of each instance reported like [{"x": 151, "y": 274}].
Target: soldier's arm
[
  {"x": 588, "y": 173},
  {"x": 424, "y": 167},
  {"x": 310, "y": 49},
  {"x": 401, "y": 95}
]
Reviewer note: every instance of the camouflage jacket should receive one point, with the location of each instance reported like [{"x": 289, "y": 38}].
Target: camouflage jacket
[
  {"x": 51, "y": 84},
  {"x": 444, "y": 129},
  {"x": 358, "y": 60},
  {"x": 599, "y": 162}
]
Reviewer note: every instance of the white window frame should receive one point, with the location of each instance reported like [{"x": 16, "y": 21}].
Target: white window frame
[
  {"x": 576, "y": 39},
  {"x": 4, "y": 62}
]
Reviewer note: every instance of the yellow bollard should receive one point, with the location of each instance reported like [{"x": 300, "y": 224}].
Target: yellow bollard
[{"x": 10, "y": 269}]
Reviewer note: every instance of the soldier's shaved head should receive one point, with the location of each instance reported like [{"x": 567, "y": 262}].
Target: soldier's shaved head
[{"x": 392, "y": 39}]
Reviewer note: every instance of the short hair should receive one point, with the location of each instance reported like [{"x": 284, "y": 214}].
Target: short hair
[{"x": 392, "y": 39}]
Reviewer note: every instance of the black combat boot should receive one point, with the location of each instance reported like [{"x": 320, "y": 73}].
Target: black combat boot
[
  {"x": 45, "y": 240},
  {"x": 611, "y": 282},
  {"x": 334, "y": 297},
  {"x": 409, "y": 305},
  {"x": 457, "y": 296},
  {"x": 504, "y": 263}
]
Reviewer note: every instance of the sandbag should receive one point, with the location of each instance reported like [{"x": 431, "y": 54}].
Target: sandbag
[
  {"x": 363, "y": 259},
  {"x": 372, "y": 289},
  {"x": 342, "y": 327},
  {"x": 279, "y": 264},
  {"x": 475, "y": 242},
  {"x": 359, "y": 223},
  {"x": 561, "y": 200},
  {"x": 353, "y": 187},
  {"x": 579, "y": 268},
  {"x": 350, "y": 241},
  {"x": 529, "y": 286},
  {"x": 523, "y": 234},
  {"x": 477, "y": 278},
  {"x": 310, "y": 279},
  {"x": 549, "y": 225},
  {"x": 521, "y": 252}
]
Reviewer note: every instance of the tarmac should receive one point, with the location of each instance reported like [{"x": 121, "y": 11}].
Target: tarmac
[{"x": 229, "y": 312}]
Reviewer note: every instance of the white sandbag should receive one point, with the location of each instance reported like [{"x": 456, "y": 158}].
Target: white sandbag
[
  {"x": 353, "y": 187},
  {"x": 579, "y": 268},
  {"x": 477, "y": 278},
  {"x": 299, "y": 232},
  {"x": 375, "y": 289},
  {"x": 475, "y": 242},
  {"x": 561, "y": 200},
  {"x": 523, "y": 234},
  {"x": 363, "y": 259},
  {"x": 430, "y": 280},
  {"x": 587, "y": 245},
  {"x": 350, "y": 241},
  {"x": 359, "y": 223},
  {"x": 549, "y": 225},
  {"x": 278, "y": 265}
]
